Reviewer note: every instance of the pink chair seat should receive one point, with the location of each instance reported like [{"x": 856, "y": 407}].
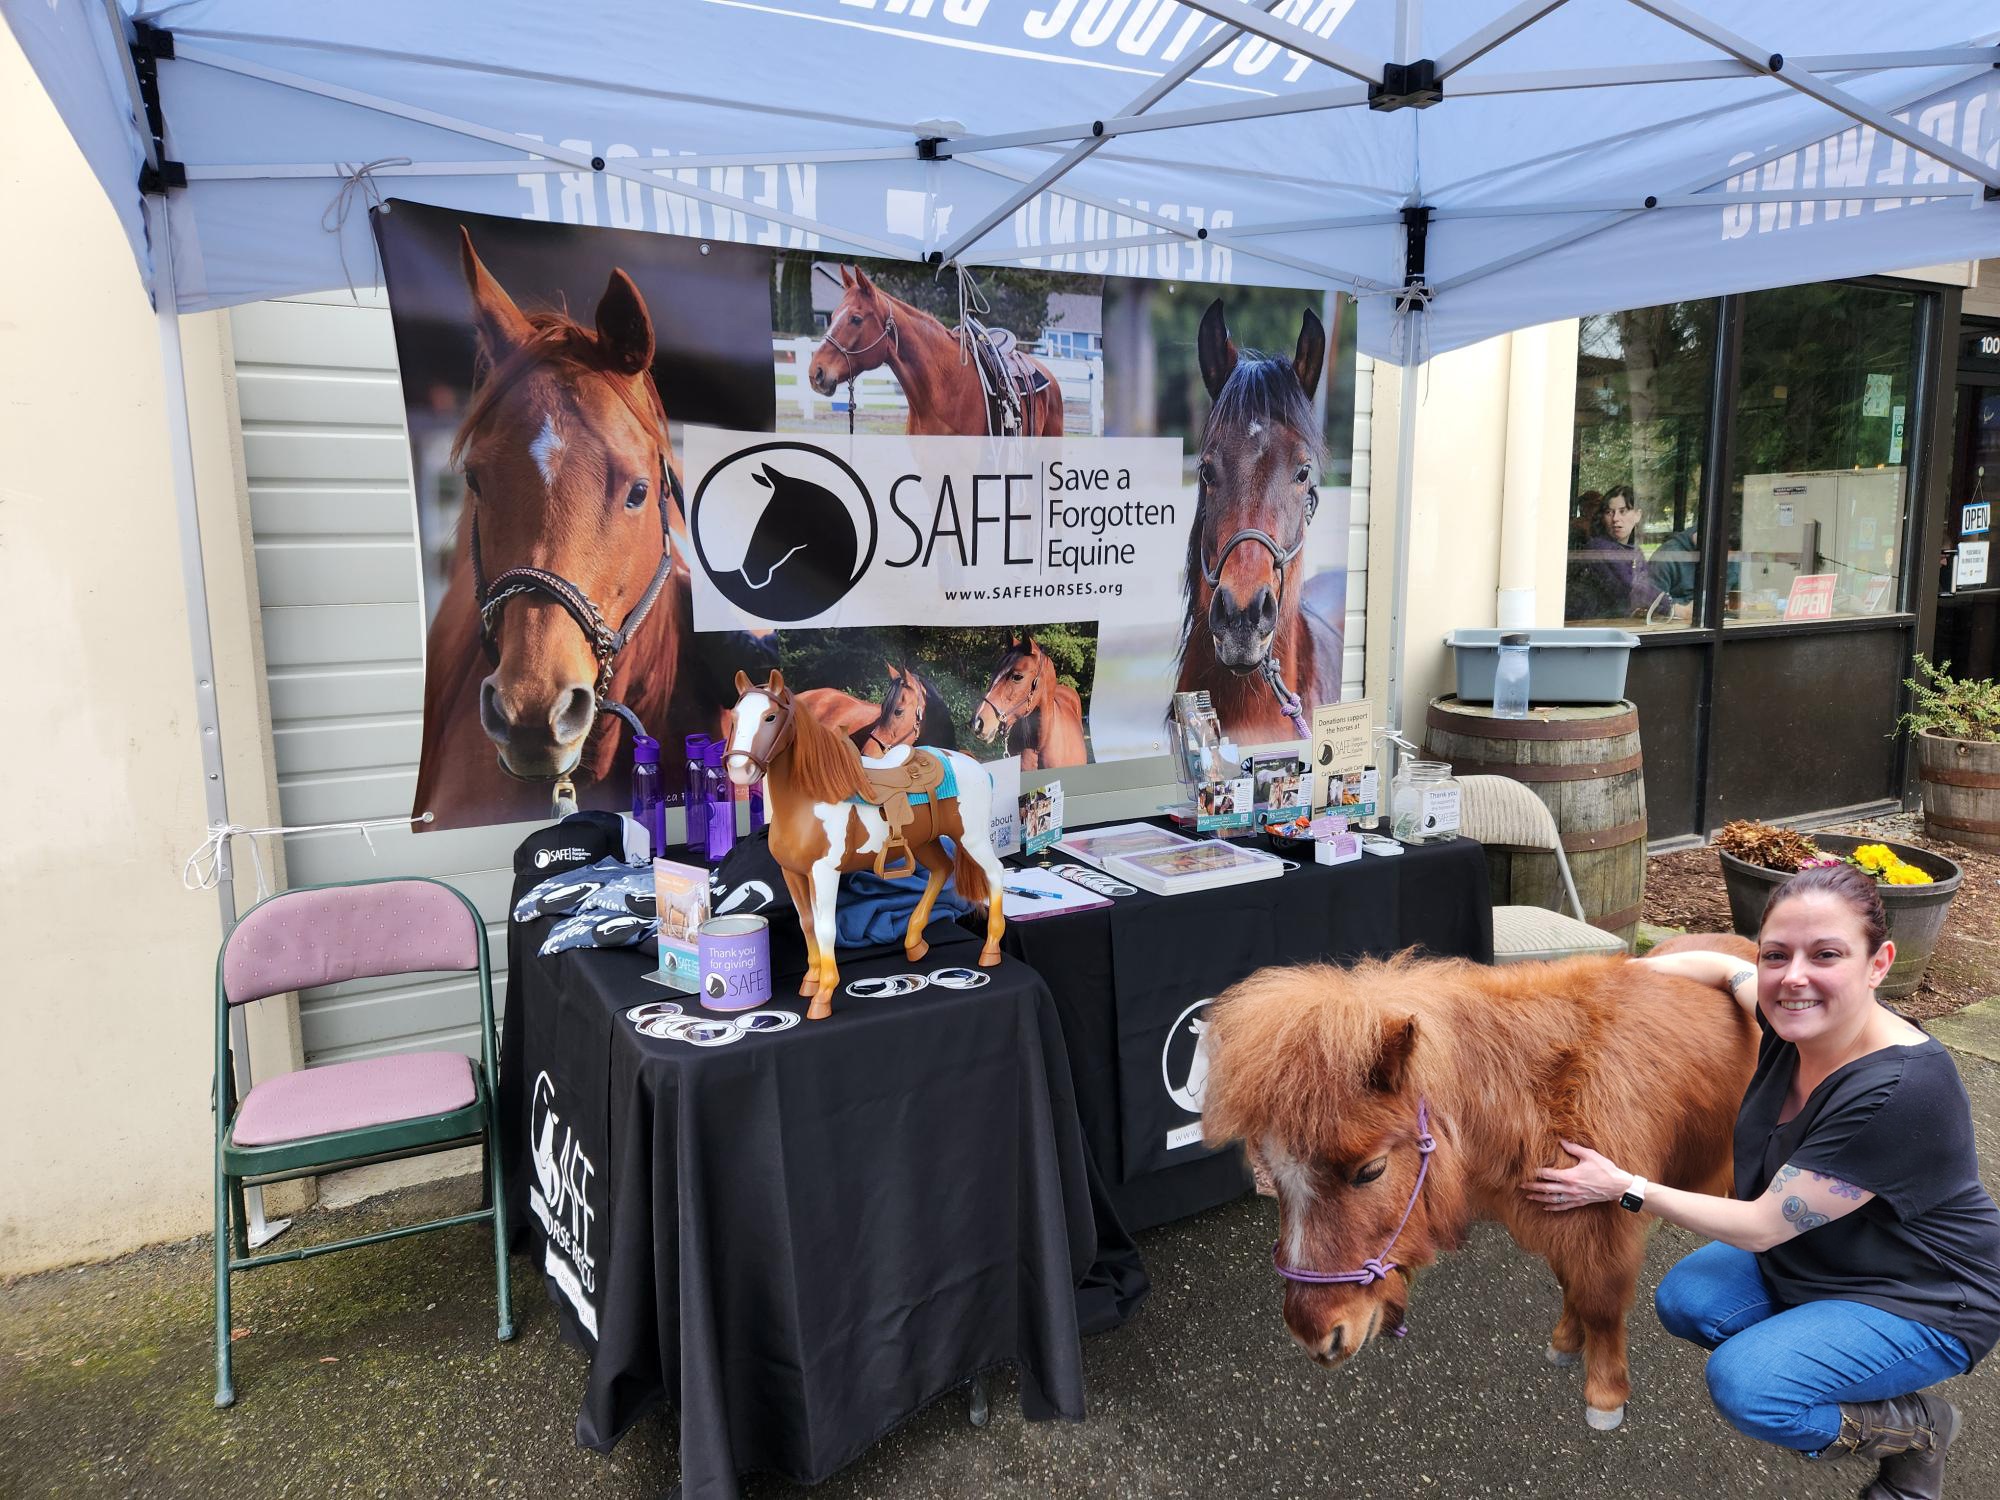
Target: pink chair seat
[{"x": 354, "y": 1095}]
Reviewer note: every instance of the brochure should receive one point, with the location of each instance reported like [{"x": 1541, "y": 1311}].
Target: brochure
[
  {"x": 1197, "y": 867},
  {"x": 1041, "y": 817},
  {"x": 680, "y": 894},
  {"x": 1283, "y": 787}
]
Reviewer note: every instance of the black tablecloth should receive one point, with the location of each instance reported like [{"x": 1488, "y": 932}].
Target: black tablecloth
[
  {"x": 1131, "y": 981},
  {"x": 801, "y": 1238}
]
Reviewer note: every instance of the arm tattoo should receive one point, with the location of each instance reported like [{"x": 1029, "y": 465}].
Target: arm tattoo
[
  {"x": 1737, "y": 978},
  {"x": 1801, "y": 1217},
  {"x": 1838, "y": 1188},
  {"x": 1785, "y": 1174}
]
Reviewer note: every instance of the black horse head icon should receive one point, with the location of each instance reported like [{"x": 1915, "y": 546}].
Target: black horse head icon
[{"x": 805, "y": 550}]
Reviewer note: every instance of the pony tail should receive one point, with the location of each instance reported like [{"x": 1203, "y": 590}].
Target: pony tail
[{"x": 967, "y": 878}]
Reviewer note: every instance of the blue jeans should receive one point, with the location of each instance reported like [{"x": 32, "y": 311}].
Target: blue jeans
[{"x": 1782, "y": 1375}]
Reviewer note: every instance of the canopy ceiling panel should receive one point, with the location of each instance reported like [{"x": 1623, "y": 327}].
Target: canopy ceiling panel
[{"x": 1582, "y": 156}]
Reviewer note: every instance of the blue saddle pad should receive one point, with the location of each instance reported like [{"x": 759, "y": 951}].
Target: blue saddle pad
[{"x": 949, "y": 786}]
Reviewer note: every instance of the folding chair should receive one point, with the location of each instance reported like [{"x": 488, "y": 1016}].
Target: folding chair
[
  {"x": 347, "y": 1114},
  {"x": 1505, "y": 814}
]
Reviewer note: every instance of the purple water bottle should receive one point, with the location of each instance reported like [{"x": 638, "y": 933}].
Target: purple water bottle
[
  {"x": 756, "y": 805},
  {"x": 721, "y": 805},
  {"x": 694, "y": 797},
  {"x": 649, "y": 803}
]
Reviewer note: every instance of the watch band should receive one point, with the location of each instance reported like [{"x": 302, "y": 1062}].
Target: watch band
[{"x": 1634, "y": 1197}]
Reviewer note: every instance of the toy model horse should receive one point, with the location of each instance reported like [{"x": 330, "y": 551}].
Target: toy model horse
[
  {"x": 1395, "y": 1102},
  {"x": 937, "y": 368},
  {"x": 912, "y": 710},
  {"x": 832, "y": 813},
  {"x": 1263, "y": 660},
  {"x": 565, "y": 590},
  {"x": 1041, "y": 716}
]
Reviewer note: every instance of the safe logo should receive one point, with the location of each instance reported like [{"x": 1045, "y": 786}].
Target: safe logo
[
  {"x": 1184, "y": 1059},
  {"x": 783, "y": 530}
]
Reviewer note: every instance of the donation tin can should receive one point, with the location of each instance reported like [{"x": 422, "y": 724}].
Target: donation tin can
[{"x": 735, "y": 958}]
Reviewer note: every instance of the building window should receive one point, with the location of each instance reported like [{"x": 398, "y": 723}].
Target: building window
[
  {"x": 1820, "y": 484},
  {"x": 1060, "y": 343},
  {"x": 1643, "y": 388}
]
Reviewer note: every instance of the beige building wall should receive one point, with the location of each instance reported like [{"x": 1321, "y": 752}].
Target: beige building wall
[
  {"x": 108, "y": 962},
  {"x": 1493, "y": 436}
]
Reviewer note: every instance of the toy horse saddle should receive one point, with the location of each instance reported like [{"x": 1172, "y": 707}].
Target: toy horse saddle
[{"x": 917, "y": 777}]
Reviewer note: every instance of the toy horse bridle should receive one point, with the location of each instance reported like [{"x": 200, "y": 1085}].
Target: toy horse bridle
[
  {"x": 1289, "y": 702},
  {"x": 1006, "y": 721},
  {"x": 1376, "y": 1267},
  {"x": 605, "y": 643},
  {"x": 917, "y": 730},
  {"x": 762, "y": 763}
]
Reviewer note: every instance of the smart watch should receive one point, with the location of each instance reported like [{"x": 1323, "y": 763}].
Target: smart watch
[{"x": 1634, "y": 1197}]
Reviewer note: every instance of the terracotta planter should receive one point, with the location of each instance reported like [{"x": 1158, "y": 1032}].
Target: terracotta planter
[
  {"x": 1961, "y": 789},
  {"x": 1916, "y": 912}
]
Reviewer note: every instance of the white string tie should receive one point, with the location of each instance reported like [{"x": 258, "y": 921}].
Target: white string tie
[
  {"x": 357, "y": 184},
  {"x": 203, "y": 868}
]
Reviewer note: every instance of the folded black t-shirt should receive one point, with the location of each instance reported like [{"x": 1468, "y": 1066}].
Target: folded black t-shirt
[{"x": 1897, "y": 1123}]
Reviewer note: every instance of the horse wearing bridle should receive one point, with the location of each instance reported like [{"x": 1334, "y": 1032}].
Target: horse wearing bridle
[
  {"x": 937, "y": 367},
  {"x": 831, "y": 815},
  {"x": 1040, "y": 715},
  {"x": 572, "y": 494},
  {"x": 1264, "y": 661},
  {"x": 910, "y": 711}
]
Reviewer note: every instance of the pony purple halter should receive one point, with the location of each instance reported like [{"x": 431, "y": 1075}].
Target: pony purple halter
[{"x": 1375, "y": 1268}]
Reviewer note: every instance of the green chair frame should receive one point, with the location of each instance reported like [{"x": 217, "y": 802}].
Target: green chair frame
[{"x": 238, "y": 1167}]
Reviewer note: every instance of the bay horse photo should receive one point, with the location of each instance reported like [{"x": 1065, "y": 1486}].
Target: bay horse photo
[
  {"x": 565, "y": 587},
  {"x": 1264, "y": 660},
  {"x": 933, "y": 364},
  {"x": 1395, "y": 1102},
  {"x": 831, "y": 815},
  {"x": 913, "y": 710},
  {"x": 1040, "y": 715}
]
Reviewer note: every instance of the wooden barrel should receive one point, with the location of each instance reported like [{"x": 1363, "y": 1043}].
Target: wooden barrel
[
  {"x": 1960, "y": 780},
  {"x": 1584, "y": 763}
]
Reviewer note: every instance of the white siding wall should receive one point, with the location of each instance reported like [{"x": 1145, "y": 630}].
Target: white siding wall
[{"x": 333, "y": 523}]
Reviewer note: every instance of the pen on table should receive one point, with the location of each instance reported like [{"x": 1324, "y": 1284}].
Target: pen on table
[{"x": 1032, "y": 895}]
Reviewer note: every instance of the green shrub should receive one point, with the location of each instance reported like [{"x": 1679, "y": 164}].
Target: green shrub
[{"x": 1953, "y": 708}]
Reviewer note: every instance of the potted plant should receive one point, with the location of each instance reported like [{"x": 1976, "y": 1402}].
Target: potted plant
[
  {"x": 1955, "y": 723},
  {"x": 1916, "y": 885}
]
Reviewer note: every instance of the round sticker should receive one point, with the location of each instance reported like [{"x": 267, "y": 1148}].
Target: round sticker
[
  {"x": 652, "y": 1010},
  {"x": 767, "y": 1020},
  {"x": 661, "y": 1027},
  {"x": 886, "y": 986},
  {"x": 697, "y": 1031},
  {"x": 960, "y": 979}
]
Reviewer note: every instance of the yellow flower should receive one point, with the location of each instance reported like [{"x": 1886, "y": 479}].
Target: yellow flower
[
  {"x": 1902, "y": 874},
  {"x": 1875, "y": 857}
]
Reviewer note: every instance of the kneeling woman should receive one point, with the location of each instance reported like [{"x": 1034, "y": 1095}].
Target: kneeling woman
[{"x": 1859, "y": 1261}]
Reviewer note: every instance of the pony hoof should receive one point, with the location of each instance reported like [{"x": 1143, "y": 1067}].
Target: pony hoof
[
  {"x": 821, "y": 1008},
  {"x": 1562, "y": 1357},
  {"x": 807, "y": 989},
  {"x": 989, "y": 956},
  {"x": 1604, "y": 1421},
  {"x": 915, "y": 953}
]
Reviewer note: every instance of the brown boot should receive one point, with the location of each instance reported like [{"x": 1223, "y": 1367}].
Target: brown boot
[{"x": 1909, "y": 1435}]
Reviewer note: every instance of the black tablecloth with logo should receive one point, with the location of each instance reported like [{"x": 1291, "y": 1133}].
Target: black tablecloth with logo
[
  {"x": 800, "y": 1238},
  {"x": 1132, "y": 982}
]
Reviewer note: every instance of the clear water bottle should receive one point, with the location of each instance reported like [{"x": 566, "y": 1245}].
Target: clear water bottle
[
  {"x": 649, "y": 801},
  {"x": 694, "y": 795},
  {"x": 721, "y": 804},
  {"x": 1510, "y": 677}
]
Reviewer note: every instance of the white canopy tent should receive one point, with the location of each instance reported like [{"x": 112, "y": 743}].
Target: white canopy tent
[{"x": 1464, "y": 167}]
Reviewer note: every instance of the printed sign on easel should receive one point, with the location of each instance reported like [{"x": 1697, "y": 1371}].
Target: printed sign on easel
[{"x": 1343, "y": 734}]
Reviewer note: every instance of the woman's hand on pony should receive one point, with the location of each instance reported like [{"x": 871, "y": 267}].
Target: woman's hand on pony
[{"x": 1594, "y": 1179}]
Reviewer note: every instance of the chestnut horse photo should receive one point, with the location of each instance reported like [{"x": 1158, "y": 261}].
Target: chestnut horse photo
[
  {"x": 912, "y": 712},
  {"x": 931, "y": 363},
  {"x": 1264, "y": 661},
  {"x": 1040, "y": 715},
  {"x": 1394, "y": 1103},
  {"x": 565, "y": 586}
]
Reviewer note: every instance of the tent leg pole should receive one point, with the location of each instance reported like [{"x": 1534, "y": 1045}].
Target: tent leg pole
[
  {"x": 1399, "y": 593},
  {"x": 194, "y": 585}
]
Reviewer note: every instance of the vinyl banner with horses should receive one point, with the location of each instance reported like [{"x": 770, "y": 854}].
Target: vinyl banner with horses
[{"x": 1007, "y": 514}]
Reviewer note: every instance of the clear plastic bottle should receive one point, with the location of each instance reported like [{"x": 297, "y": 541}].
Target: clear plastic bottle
[
  {"x": 721, "y": 794},
  {"x": 1510, "y": 677},
  {"x": 649, "y": 802},
  {"x": 694, "y": 795}
]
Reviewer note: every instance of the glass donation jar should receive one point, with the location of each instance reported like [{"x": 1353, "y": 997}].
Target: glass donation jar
[{"x": 1423, "y": 801}]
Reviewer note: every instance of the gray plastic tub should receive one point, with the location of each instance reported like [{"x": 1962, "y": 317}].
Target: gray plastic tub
[{"x": 1566, "y": 664}]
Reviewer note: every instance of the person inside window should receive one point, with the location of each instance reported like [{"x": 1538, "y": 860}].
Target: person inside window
[
  {"x": 1858, "y": 1263},
  {"x": 1608, "y": 576}
]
